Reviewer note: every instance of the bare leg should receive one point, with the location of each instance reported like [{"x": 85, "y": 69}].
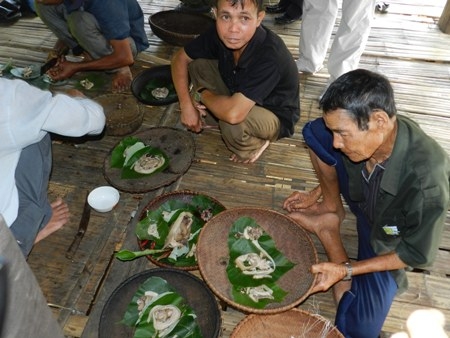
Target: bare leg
[
  {"x": 326, "y": 227},
  {"x": 328, "y": 188},
  {"x": 324, "y": 218},
  {"x": 253, "y": 156},
  {"x": 122, "y": 80},
  {"x": 60, "y": 216}
]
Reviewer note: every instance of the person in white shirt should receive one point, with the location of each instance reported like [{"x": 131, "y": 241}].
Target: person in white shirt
[{"x": 27, "y": 116}]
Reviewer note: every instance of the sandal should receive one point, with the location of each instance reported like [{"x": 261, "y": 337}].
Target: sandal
[
  {"x": 9, "y": 11},
  {"x": 381, "y": 7}
]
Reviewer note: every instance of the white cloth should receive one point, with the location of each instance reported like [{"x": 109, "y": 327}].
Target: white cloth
[
  {"x": 27, "y": 114},
  {"x": 318, "y": 21}
]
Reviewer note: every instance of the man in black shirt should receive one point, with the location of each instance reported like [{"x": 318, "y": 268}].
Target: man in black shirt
[{"x": 244, "y": 75}]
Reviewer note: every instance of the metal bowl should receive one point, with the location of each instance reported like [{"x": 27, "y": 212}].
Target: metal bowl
[
  {"x": 178, "y": 28},
  {"x": 152, "y": 78}
]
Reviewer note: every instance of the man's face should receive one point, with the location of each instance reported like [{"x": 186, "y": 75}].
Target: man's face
[
  {"x": 237, "y": 25},
  {"x": 358, "y": 145}
]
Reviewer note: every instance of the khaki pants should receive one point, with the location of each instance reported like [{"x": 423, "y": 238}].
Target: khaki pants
[
  {"x": 243, "y": 138},
  {"x": 26, "y": 310}
]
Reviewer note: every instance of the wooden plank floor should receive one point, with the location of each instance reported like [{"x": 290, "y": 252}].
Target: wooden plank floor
[{"x": 404, "y": 44}]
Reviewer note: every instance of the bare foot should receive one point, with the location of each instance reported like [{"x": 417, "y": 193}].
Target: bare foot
[
  {"x": 60, "y": 216},
  {"x": 315, "y": 221},
  {"x": 122, "y": 80},
  {"x": 253, "y": 156}
]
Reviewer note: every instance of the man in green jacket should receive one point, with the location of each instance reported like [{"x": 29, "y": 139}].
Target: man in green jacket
[{"x": 394, "y": 178}]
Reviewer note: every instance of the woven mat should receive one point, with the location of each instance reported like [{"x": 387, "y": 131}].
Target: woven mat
[
  {"x": 188, "y": 286},
  {"x": 294, "y": 323},
  {"x": 184, "y": 196},
  {"x": 177, "y": 144},
  {"x": 293, "y": 242}
]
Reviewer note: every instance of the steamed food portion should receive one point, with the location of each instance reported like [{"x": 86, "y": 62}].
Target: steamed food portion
[
  {"x": 255, "y": 265},
  {"x": 157, "y": 310},
  {"x": 173, "y": 228},
  {"x": 87, "y": 84},
  {"x": 27, "y": 72},
  {"x": 160, "y": 93},
  {"x": 137, "y": 160}
]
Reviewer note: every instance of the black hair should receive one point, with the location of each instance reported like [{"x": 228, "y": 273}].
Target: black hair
[
  {"x": 360, "y": 92},
  {"x": 258, "y": 3}
]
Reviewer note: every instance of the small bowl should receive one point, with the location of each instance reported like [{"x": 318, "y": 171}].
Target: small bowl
[
  {"x": 146, "y": 80},
  {"x": 104, "y": 198}
]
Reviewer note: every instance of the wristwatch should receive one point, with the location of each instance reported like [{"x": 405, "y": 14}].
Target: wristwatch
[
  {"x": 198, "y": 94},
  {"x": 349, "y": 268}
]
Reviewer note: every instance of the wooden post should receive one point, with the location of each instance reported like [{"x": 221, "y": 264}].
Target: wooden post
[{"x": 444, "y": 20}]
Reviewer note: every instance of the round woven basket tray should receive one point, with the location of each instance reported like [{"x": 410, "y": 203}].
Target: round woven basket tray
[
  {"x": 184, "y": 196},
  {"x": 177, "y": 144},
  {"x": 291, "y": 240},
  {"x": 122, "y": 113},
  {"x": 178, "y": 28},
  {"x": 188, "y": 286},
  {"x": 294, "y": 323}
]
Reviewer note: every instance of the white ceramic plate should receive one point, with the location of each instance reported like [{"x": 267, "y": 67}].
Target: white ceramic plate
[{"x": 18, "y": 72}]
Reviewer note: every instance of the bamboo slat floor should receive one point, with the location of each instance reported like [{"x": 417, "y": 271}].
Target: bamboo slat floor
[{"x": 405, "y": 45}]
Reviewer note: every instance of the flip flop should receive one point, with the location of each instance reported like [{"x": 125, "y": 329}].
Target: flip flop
[
  {"x": 381, "y": 7},
  {"x": 9, "y": 12}
]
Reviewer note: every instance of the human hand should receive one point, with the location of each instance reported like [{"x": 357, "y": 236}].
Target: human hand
[
  {"x": 63, "y": 69},
  {"x": 328, "y": 274},
  {"x": 302, "y": 200},
  {"x": 191, "y": 119}
]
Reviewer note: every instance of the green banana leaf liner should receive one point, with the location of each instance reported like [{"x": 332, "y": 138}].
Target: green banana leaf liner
[
  {"x": 118, "y": 160},
  {"x": 201, "y": 207},
  {"x": 187, "y": 325},
  {"x": 146, "y": 92},
  {"x": 239, "y": 246}
]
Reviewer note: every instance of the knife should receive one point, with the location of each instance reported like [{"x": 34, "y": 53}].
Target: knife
[
  {"x": 49, "y": 64},
  {"x": 81, "y": 229}
]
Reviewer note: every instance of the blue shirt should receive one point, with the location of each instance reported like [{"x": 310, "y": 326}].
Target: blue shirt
[{"x": 119, "y": 19}]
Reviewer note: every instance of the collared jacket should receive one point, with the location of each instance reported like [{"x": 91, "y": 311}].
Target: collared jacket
[{"x": 412, "y": 203}]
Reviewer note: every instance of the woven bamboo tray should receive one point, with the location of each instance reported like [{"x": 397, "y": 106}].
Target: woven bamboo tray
[
  {"x": 122, "y": 113},
  {"x": 179, "y": 28},
  {"x": 293, "y": 242},
  {"x": 184, "y": 196},
  {"x": 294, "y": 323}
]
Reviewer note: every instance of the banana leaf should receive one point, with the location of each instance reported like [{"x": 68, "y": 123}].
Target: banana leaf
[
  {"x": 240, "y": 297},
  {"x": 238, "y": 246},
  {"x": 136, "y": 149},
  {"x": 129, "y": 172},
  {"x": 98, "y": 79},
  {"x": 201, "y": 207},
  {"x": 117, "y": 158},
  {"x": 146, "y": 92},
  {"x": 187, "y": 325}
]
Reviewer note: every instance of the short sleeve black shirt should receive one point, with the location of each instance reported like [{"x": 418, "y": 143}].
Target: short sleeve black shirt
[{"x": 266, "y": 72}]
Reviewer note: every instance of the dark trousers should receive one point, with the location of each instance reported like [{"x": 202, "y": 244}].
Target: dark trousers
[
  {"x": 294, "y": 8},
  {"x": 32, "y": 178},
  {"x": 364, "y": 308}
]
